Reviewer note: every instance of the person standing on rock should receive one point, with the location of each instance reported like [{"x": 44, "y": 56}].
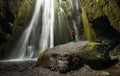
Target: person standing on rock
[{"x": 73, "y": 34}]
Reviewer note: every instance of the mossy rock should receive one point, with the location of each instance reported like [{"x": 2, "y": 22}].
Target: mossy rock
[
  {"x": 73, "y": 55},
  {"x": 40, "y": 57},
  {"x": 103, "y": 23},
  {"x": 95, "y": 56},
  {"x": 91, "y": 46},
  {"x": 95, "y": 50},
  {"x": 89, "y": 33},
  {"x": 109, "y": 8},
  {"x": 64, "y": 58},
  {"x": 115, "y": 53}
]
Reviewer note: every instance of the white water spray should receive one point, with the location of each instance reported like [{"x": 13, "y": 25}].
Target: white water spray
[{"x": 38, "y": 35}]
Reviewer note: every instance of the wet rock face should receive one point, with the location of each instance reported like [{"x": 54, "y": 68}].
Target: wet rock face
[
  {"x": 118, "y": 2},
  {"x": 73, "y": 55},
  {"x": 13, "y": 14},
  {"x": 105, "y": 20},
  {"x": 64, "y": 58},
  {"x": 115, "y": 53},
  {"x": 14, "y": 17}
]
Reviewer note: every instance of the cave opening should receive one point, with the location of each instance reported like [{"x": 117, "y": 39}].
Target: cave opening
[{"x": 103, "y": 28}]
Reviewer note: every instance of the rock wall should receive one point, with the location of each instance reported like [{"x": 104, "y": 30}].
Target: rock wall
[
  {"x": 103, "y": 16},
  {"x": 100, "y": 18},
  {"x": 14, "y": 17},
  {"x": 101, "y": 23},
  {"x": 14, "y": 14}
]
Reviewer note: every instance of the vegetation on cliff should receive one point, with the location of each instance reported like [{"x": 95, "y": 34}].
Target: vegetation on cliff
[
  {"x": 103, "y": 16},
  {"x": 101, "y": 23},
  {"x": 14, "y": 16}
]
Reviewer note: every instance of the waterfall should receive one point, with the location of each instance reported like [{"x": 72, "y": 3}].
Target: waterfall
[
  {"x": 38, "y": 36},
  {"x": 62, "y": 29},
  {"x": 49, "y": 26},
  {"x": 74, "y": 5}
]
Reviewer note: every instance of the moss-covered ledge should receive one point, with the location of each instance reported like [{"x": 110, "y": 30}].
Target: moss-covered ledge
[
  {"x": 96, "y": 55},
  {"x": 40, "y": 57}
]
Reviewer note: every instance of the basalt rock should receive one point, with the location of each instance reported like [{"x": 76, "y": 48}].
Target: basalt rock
[
  {"x": 74, "y": 55},
  {"x": 64, "y": 58}
]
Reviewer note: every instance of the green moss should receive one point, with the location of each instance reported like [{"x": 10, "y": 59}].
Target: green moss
[
  {"x": 92, "y": 50},
  {"x": 42, "y": 54},
  {"x": 94, "y": 56},
  {"x": 91, "y": 46},
  {"x": 97, "y": 0},
  {"x": 40, "y": 57},
  {"x": 98, "y": 8},
  {"x": 67, "y": 8},
  {"x": 89, "y": 33},
  {"x": 115, "y": 53},
  {"x": 11, "y": 24},
  {"x": 97, "y": 56},
  {"x": 23, "y": 11}
]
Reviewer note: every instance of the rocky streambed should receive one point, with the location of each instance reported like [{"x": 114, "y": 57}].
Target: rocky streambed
[
  {"x": 27, "y": 68},
  {"x": 81, "y": 58}
]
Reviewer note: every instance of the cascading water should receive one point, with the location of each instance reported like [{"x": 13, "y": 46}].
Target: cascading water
[
  {"x": 62, "y": 29},
  {"x": 39, "y": 34},
  {"x": 48, "y": 27},
  {"x": 74, "y": 5}
]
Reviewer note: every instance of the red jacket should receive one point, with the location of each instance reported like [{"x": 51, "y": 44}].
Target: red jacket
[{"x": 73, "y": 32}]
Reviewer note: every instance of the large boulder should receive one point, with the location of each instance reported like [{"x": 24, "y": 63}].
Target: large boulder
[
  {"x": 72, "y": 56},
  {"x": 64, "y": 58}
]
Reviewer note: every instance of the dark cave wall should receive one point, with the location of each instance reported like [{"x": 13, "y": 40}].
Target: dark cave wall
[
  {"x": 14, "y": 15},
  {"x": 103, "y": 17},
  {"x": 14, "y": 18},
  {"x": 101, "y": 22}
]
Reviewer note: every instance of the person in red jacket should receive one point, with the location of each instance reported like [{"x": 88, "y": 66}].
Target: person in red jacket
[{"x": 73, "y": 34}]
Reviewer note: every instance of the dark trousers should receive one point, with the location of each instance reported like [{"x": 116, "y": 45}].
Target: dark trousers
[{"x": 73, "y": 37}]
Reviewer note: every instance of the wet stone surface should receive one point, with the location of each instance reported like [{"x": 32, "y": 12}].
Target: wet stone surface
[
  {"x": 64, "y": 58},
  {"x": 58, "y": 62},
  {"x": 27, "y": 68},
  {"x": 73, "y": 55}
]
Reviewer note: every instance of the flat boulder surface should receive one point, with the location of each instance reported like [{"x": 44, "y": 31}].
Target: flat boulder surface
[
  {"x": 73, "y": 55},
  {"x": 64, "y": 58}
]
